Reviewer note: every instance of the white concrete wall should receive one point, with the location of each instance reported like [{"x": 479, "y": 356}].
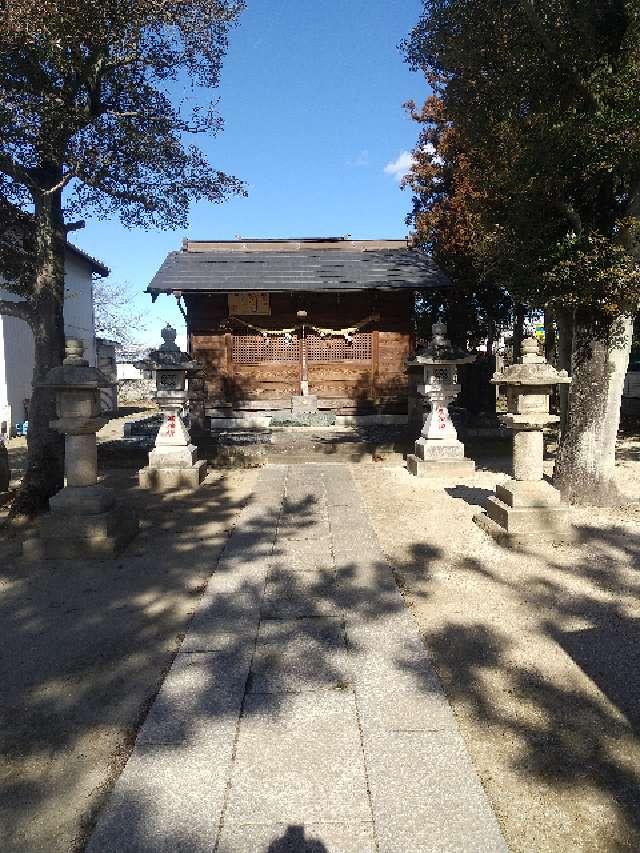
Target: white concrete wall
[
  {"x": 16, "y": 340},
  {"x": 126, "y": 370},
  {"x": 5, "y": 409},
  {"x": 16, "y": 369},
  {"x": 78, "y": 305}
]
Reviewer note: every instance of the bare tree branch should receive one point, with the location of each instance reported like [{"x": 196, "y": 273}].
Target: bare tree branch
[
  {"x": 68, "y": 175},
  {"x": 74, "y": 226},
  {"x": 14, "y": 170},
  {"x": 22, "y": 310}
]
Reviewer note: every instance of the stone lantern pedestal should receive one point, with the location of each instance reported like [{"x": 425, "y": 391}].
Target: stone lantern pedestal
[
  {"x": 84, "y": 520},
  {"x": 173, "y": 463},
  {"x": 438, "y": 451},
  {"x": 527, "y": 506}
]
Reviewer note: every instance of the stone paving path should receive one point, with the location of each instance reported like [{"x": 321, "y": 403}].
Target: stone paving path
[{"x": 302, "y": 714}]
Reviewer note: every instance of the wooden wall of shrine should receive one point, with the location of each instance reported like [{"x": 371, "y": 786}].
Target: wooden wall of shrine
[{"x": 366, "y": 374}]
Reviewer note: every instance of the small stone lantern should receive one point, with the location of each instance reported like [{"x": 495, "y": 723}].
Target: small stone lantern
[
  {"x": 172, "y": 462},
  {"x": 85, "y": 520},
  {"x": 527, "y": 506},
  {"x": 438, "y": 451}
]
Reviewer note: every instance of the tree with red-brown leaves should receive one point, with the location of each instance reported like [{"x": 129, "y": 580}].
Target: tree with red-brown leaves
[
  {"x": 449, "y": 220},
  {"x": 543, "y": 100}
]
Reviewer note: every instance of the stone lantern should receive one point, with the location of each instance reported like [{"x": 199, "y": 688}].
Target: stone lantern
[
  {"x": 84, "y": 519},
  {"x": 172, "y": 462},
  {"x": 527, "y": 506},
  {"x": 438, "y": 451}
]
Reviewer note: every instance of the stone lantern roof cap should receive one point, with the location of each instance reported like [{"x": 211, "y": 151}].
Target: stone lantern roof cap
[
  {"x": 531, "y": 374},
  {"x": 444, "y": 356},
  {"x": 168, "y": 356},
  {"x": 531, "y": 369},
  {"x": 75, "y": 372},
  {"x": 440, "y": 350}
]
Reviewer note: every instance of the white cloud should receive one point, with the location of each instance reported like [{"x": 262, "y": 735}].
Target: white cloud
[{"x": 400, "y": 166}]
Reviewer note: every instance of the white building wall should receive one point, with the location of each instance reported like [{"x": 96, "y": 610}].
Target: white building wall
[
  {"x": 16, "y": 340},
  {"x": 126, "y": 370},
  {"x": 16, "y": 369},
  {"x": 5, "y": 411},
  {"x": 78, "y": 305}
]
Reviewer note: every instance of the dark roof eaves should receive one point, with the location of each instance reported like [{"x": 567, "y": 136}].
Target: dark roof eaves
[
  {"x": 339, "y": 287},
  {"x": 96, "y": 265},
  {"x": 183, "y": 271}
]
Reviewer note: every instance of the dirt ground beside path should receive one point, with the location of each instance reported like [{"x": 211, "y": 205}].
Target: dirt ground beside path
[
  {"x": 538, "y": 651},
  {"x": 83, "y": 649}
]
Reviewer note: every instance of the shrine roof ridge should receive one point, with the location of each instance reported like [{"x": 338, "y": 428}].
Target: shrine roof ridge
[{"x": 336, "y": 265}]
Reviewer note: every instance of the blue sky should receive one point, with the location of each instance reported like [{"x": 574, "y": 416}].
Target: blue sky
[{"x": 311, "y": 96}]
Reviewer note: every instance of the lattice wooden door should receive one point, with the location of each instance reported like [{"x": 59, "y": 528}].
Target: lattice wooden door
[{"x": 312, "y": 349}]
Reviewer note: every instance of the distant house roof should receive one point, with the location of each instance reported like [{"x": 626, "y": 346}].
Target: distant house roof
[
  {"x": 96, "y": 266},
  {"x": 308, "y": 264}
]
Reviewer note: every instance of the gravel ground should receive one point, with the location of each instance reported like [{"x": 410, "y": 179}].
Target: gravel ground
[{"x": 538, "y": 650}]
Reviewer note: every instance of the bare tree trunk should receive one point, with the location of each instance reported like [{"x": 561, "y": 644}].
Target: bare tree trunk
[
  {"x": 550, "y": 353},
  {"x": 585, "y": 469},
  {"x": 44, "y": 474},
  {"x": 565, "y": 321},
  {"x": 550, "y": 336},
  {"x": 491, "y": 338},
  {"x": 518, "y": 328}
]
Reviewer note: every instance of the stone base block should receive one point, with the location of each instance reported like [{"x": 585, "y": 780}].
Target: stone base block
[
  {"x": 166, "y": 456},
  {"x": 440, "y": 467},
  {"x": 371, "y": 420},
  {"x": 307, "y": 405},
  {"x": 513, "y": 540},
  {"x": 63, "y": 536},
  {"x": 248, "y": 422},
  {"x": 173, "y": 479},
  {"x": 520, "y": 524},
  {"x": 527, "y": 493},
  {"x": 82, "y": 500},
  {"x": 427, "y": 450}
]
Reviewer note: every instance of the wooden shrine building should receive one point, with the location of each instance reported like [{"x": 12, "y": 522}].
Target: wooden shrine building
[{"x": 273, "y": 319}]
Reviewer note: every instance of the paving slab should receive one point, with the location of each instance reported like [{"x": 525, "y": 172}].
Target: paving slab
[
  {"x": 372, "y": 574},
  {"x": 202, "y": 693},
  {"x": 236, "y": 603},
  {"x": 351, "y": 543},
  {"x": 167, "y": 800},
  {"x": 313, "y": 529},
  {"x": 221, "y": 633},
  {"x": 252, "y": 543},
  {"x": 300, "y": 761},
  {"x": 299, "y": 655},
  {"x": 302, "y": 712},
  {"x": 303, "y": 555},
  {"x": 426, "y": 795},
  {"x": 305, "y": 837},
  {"x": 300, "y": 594}
]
